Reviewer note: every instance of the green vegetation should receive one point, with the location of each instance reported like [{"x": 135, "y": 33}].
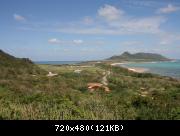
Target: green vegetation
[
  {"x": 27, "y": 93},
  {"x": 11, "y": 67},
  {"x": 126, "y": 56}
]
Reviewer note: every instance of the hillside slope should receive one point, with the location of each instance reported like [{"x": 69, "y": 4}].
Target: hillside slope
[{"x": 12, "y": 66}]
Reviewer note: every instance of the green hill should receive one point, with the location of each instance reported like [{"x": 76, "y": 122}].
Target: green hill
[
  {"x": 139, "y": 57},
  {"x": 11, "y": 66}
]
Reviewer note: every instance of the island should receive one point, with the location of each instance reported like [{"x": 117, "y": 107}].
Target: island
[{"x": 126, "y": 56}]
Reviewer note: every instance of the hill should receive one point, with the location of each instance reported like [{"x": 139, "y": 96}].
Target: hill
[
  {"x": 139, "y": 57},
  {"x": 11, "y": 66}
]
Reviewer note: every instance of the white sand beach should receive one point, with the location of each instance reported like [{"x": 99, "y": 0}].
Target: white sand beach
[
  {"x": 138, "y": 70},
  {"x": 115, "y": 64},
  {"x": 134, "y": 69}
]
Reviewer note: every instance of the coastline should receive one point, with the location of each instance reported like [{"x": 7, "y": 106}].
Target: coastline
[
  {"x": 138, "y": 70},
  {"x": 134, "y": 69},
  {"x": 172, "y": 73}
]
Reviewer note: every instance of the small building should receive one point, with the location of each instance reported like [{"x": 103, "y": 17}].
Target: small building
[
  {"x": 50, "y": 74},
  {"x": 77, "y": 71}
]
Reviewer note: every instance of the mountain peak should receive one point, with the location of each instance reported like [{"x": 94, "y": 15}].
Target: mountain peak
[{"x": 126, "y": 53}]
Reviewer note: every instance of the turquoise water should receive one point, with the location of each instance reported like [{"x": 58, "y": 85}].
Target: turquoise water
[
  {"x": 171, "y": 68},
  {"x": 57, "y": 62}
]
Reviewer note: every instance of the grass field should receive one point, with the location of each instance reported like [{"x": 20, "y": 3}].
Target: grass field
[{"x": 65, "y": 96}]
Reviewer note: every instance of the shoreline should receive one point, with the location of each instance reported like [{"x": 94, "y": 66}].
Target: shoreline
[
  {"x": 144, "y": 70},
  {"x": 138, "y": 70},
  {"x": 134, "y": 69},
  {"x": 127, "y": 62}
]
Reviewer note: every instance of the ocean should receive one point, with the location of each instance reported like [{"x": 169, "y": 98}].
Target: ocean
[
  {"x": 57, "y": 62},
  {"x": 168, "y": 68}
]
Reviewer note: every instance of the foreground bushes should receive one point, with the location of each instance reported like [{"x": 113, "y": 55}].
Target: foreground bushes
[{"x": 132, "y": 96}]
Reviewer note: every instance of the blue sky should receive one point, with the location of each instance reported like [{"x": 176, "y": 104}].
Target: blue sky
[{"x": 89, "y": 29}]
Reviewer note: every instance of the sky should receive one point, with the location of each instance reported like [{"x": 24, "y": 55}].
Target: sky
[{"x": 76, "y": 30}]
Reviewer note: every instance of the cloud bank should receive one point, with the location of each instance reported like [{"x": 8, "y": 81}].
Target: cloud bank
[
  {"x": 19, "y": 18},
  {"x": 169, "y": 9}
]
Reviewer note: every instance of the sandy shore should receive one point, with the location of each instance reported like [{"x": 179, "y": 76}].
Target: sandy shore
[
  {"x": 138, "y": 70},
  {"x": 134, "y": 69},
  {"x": 115, "y": 64}
]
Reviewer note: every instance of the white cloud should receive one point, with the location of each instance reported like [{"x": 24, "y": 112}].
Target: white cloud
[
  {"x": 112, "y": 21},
  {"x": 110, "y": 13},
  {"x": 54, "y": 41},
  {"x": 169, "y": 9},
  {"x": 148, "y": 25},
  {"x": 64, "y": 42},
  {"x": 141, "y": 3},
  {"x": 139, "y": 25},
  {"x": 19, "y": 18},
  {"x": 77, "y": 41},
  {"x": 88, "y": 20}
]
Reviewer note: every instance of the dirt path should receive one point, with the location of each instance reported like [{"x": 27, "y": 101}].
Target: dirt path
[
  {"x": 104, "y": 79},
  {"x": 103, "y": 84}
]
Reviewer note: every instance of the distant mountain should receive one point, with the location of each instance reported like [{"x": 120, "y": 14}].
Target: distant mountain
[
  {"x": 139, "y": 57},
  {"x": 12, "y": 66}
]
